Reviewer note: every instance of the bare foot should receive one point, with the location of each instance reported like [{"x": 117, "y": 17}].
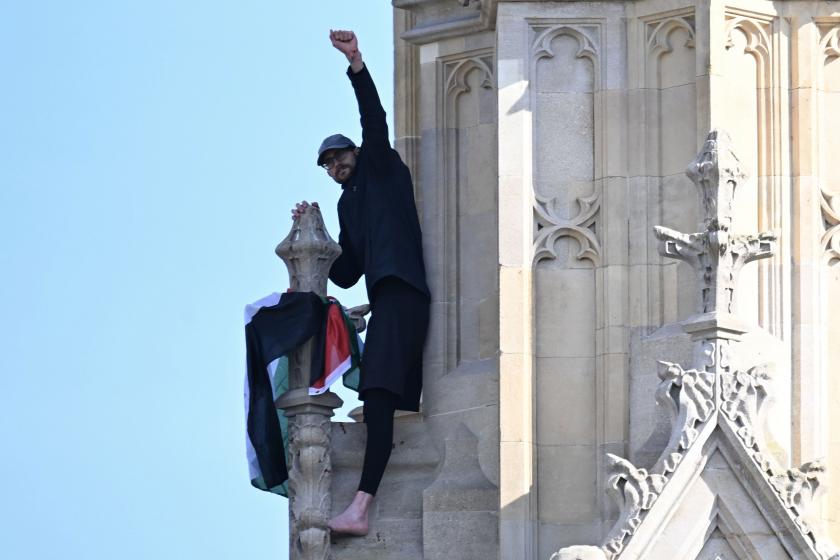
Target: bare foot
[{"x": 353, "y": 520}]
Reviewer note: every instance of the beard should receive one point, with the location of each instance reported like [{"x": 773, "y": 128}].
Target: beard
[{"x": 342, "y": 174}]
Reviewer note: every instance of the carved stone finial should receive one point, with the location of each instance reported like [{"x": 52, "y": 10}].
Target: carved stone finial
[
  {"x": 717, "y": 172},
  {"x": 715, "y": 254},
  {"x": 309, "y": 252}
]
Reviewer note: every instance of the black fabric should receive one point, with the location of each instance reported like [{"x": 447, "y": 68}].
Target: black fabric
[
  {"x": 380, "y": 233},
  {"x": 379, "y": 418},
  {"x": 274, "y": 332},
  {"x": 393, "y": 353}
]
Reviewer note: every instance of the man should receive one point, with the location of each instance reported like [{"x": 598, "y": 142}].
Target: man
[{"x": 380, "y": 239}]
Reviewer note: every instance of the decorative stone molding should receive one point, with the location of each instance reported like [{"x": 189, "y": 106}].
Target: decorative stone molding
[
  {"x": 310, "y": 475},
  {"x": 830, "y": 42},
  {"x": 551, "y": 226},
  {"x": 757, "y": 32},
  {"x": 635, "y": 491},
  {"x": 713, "y": 404},
  {"x": 829, "y": 46},
  {"x": 798, "y": 488},
  {"x": 716, "y": 256},
  {"x": 586, "y": 36},
  {"x": 455, "y": 73},
  {"x": 753, "y": 33},
  {"x": 720, "y": 252},
  {"x": 830, "y": 241},
  {"x": 465, "y": 78},
  {"x": 743, "y": 396},
  {"x": 658, "y": 42},
  {"x": 689, "y": 398},
  {"x": 436, "y": 19},
  {"x": 659, "y": 32}
]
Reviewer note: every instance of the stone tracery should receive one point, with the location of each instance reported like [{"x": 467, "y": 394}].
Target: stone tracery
[
  {"x": 551, "y": 226},
  {"x": 830, "y": 206}
]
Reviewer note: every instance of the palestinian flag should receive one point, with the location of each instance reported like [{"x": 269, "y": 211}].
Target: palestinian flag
[
  {"x": 341, "y": 351},
  {"x": 274, "y": 326}
]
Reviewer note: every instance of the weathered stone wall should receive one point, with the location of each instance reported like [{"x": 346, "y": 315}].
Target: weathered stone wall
[
  {"x": 546, "y": 140},
  {"x": 446, "y": 128}
]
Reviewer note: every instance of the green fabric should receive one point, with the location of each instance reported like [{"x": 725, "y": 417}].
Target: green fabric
[
  {"x": 351, "y": 378},
  {"x": 279, "y": 385}
]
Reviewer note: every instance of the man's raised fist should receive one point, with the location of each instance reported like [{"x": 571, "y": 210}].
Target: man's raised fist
[{"x": 346, "y": 42}]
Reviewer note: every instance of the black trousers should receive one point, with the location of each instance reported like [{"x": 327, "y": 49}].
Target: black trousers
[
  {"x": 379, "y": 418},
  {"x": 392, "y": 369}
]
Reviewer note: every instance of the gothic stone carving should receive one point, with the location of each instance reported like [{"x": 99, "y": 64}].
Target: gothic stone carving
[
  {"x": 713, "y": 393},
  {"x": 689, "y": 398},
  {"x": 659, "y": 34},
  {"x": 551, "y": 226},
  {"x": 716, "y": 256},
  {"x": 830, "y": 201},
  {"x": 798, "y": 488},
  {"x": 830, "y": 42},
  {"x": 309, "y": 486},
  {"x": 743, "y": 395},
  {"x": 308, "y": 252},
  {"x": 635, "y": 490},
  {"x": 830, "y": 206},
  {"x": 434, "y": 20}
]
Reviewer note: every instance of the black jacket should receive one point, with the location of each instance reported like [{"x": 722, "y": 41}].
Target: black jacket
[{"x": 380, "y": 233}]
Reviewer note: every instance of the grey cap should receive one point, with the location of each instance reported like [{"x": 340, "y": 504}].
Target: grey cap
[{"x": 334, "y": 142}]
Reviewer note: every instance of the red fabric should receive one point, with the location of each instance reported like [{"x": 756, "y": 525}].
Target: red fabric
[{"x": 337, "y": 349}]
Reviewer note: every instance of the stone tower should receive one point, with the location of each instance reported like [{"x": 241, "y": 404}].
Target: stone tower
[{"x": 547, "y": 139}]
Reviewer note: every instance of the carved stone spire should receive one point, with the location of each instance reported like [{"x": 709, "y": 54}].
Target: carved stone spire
[
  {"x": 717, "y": 172},
  {"x": 308, "y": 252},
  {"x": 715, "y": 254}
]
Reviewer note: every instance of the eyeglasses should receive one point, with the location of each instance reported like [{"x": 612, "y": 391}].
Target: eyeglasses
[{"x": 332, "y": 161}]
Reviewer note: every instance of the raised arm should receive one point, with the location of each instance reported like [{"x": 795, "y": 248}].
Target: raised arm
[{"x": 374, "y": 125}]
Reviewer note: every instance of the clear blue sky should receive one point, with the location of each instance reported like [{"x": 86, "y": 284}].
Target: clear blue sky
[{"x": 150, "y": 152}]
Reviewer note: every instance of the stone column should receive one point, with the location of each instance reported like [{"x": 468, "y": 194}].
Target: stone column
[{"x": 308, "y": 252}]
